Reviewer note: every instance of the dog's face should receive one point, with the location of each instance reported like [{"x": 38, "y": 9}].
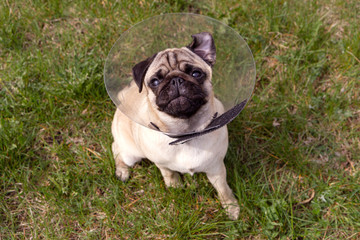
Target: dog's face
[{"x": 178, "y": 80}]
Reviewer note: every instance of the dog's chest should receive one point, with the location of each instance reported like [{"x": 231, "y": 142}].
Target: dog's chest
[{"x": 197, "y": 155}]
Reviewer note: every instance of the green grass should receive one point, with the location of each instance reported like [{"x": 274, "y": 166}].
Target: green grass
[{"x": 294, "y": 153}]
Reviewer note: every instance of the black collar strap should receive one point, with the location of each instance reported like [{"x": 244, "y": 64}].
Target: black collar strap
[{"x": 216, "y": 123}]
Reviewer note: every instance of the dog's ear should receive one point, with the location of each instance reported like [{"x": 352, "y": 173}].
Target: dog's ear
[
  {"x": 203, "y": 45},
  {"x": 139, "y": 71}
]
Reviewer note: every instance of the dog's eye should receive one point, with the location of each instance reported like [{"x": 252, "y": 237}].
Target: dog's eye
[
  {"x": 154, "y": 82},
  {"x": 196, "y": 74}
]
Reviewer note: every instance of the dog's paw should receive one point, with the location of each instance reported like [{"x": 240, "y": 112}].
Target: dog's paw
[
  {"x": 173, "y": 181},
  {"x": 122, "y": 173},
  {"x": 232, "y": 210}
]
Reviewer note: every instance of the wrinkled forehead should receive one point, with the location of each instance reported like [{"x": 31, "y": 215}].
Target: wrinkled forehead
[{"x": 176, "y": 59}]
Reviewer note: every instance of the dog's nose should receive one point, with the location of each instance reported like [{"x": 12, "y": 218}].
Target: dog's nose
[{"x": 177, "y": 81}]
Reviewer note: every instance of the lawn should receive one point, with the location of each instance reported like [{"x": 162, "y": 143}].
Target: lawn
[{"x": 294, "y": 155}]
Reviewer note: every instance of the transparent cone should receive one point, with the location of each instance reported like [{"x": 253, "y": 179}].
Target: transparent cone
[{"x": 234, "y": 72}]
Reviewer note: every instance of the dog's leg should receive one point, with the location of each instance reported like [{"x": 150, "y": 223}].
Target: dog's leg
[
  {"x": 122, "y": 170},
  {"x": 218, "y": 180},
  {"x": 171, "y": 178}
]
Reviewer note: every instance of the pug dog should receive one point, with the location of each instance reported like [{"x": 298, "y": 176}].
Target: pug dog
[{"x": 172, "y": 93}]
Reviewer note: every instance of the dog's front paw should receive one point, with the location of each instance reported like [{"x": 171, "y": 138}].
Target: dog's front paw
[
  {"x": 173, "y": 180},
  {"x": 232, "y": 210},
  {"x": 122, "y": 173}
]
